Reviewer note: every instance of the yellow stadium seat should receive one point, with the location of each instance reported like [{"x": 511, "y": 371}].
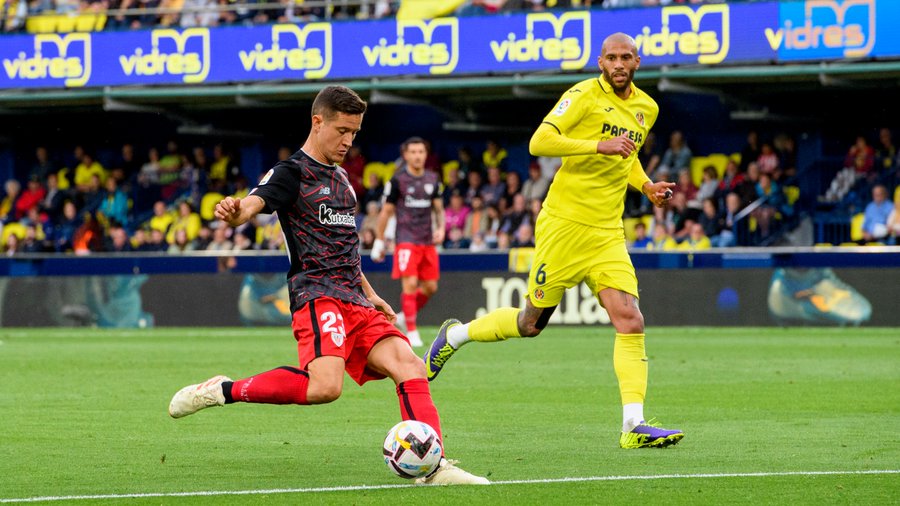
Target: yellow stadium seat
[
  {"x": 698, "y": 163},
  {"x": 897, "y": 194},
  {"x": 629, "y": 227},
  {"x": 387, "y": 171},
  {"x": 12, "y": 228},
  {"x": 647, "y": 219},
  {"x": 376, "y": 167},
  {"x": 823, "y": 245},
  {"x": 736, "y": 157},
  {"x": 208, "y": 205},
  {"x": 719, "y": 161},
  {"x": 447, "y": 168},
  {"x": 856, "y": 226}
]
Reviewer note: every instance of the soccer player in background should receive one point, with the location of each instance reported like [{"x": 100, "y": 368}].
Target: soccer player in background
[
  {"x": 414, "y": 195},
  {"x": 339, "y": 322},
  {"x": 579, "y": 232}
]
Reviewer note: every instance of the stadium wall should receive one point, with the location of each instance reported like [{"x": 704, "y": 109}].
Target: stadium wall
[{"x": 739, "y": 288}]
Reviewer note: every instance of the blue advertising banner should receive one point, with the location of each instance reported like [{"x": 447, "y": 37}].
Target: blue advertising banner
[{"x": 717, "y": 34}]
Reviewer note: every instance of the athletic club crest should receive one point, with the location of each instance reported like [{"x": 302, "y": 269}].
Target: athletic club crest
[
  {"x": 337, "y": 338},
  {"x": 640, "y": 118}
]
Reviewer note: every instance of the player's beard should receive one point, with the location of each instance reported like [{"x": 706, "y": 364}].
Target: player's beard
[{"x": 609, "y": 78}]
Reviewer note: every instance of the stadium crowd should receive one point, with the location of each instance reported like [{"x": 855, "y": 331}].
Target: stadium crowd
[
  {"x": 136, "y": 14},
  {"x": 163, "y": 200}
]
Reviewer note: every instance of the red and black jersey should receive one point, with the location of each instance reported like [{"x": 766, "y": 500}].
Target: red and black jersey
[
  {"x": 413, "y": 196},
  {"x": 316, "y": 207}
]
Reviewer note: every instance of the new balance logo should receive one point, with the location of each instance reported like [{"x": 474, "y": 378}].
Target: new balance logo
[{"x": 324, "y": 190}]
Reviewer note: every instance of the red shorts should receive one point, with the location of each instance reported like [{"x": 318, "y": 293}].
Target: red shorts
[
  {"x": 332, "y": 327},
  {"x": 418, "y": 260}
]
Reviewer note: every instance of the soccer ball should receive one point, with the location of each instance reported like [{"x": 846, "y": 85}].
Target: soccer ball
[{"x": 412, "y": 449}]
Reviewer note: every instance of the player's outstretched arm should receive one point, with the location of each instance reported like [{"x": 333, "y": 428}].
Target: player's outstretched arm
[
  {"x": 238, "y": 211},
  {"x": 548, "y": 141}
]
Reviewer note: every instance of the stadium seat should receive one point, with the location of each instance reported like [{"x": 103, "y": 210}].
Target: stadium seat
[
  {"x": 208, "y": 205},
  {"x": 698, "y": 163},
  {"x": 12, "y": 228},
  {"x": 856, "y": 226},
  {"x": 376, "y": 167},
  {"x": 447, "y": 168},
  {"x": 719, "y": 161}
]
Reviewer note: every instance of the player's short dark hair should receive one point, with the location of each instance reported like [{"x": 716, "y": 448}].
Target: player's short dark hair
[
  {"x": 412, "y": 140},
  {"x": 335, "y": 98}
]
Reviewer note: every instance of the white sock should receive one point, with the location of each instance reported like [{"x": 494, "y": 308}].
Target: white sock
[
  {"x": 414, "y": 338},
  {"x": 632, "y": 414},
  {"x": 458, "y": 335}
]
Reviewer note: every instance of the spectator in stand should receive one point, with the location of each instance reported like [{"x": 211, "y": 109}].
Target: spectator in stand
[
  {"x": 696, "y": 240},
  {"x": 676, "y": 158},
  {"x": 747, "y": 189},
  {"x": 514, "y": 217},
  {"x": 162, "y": 218},
  {"x": 88, "y": 237},
  {"x": 858, "y": 164},
  {"x": 12, "y": 245},
  {"x": 893, "y": 222},
  {"x": 126, "y": 167},
  {"x": 513, "y": 187},
  {"x": 477, "y": 220},
  {"x": 473, "y": 187},
  {"x": 62, "y": 232},
  {"x": 157, "y": 241},
  {"x": 549, "y": 166},
  {"x": 772, "y": 208},
  {"x": 86, "y": 170},
  {"x": 221, "y": 238},
  {"x": 149, "y": 173},
  {"x": 186, "y": 220},
  {"x": 180, "y": 243},
  {"x": 491, "y": 230},
  {"x": 467, "y": 162},
  {"x": 493, "y": 190},
  {"x": 374, "y": 191},
  {"x": 786, "y": 149},
  {"x": 30, "y": 198},
  {"x": 709, "y": 185},
  {"x": 140, "y": 240},
  {"x": 31, "y": 243},
  {"x": 677, "y": 216},
  {"x": 146, "y": 190},
  {"x": 199, "y": 13},
  {"x": 750, "y": 151},
  {"x": 734, "y": 232},
  {"x": 354, "y": 163},
  {"x": 221, "y": 168},
  {"x": 478, "y": 244},
  {"x": 91, "y": 195},
  {"x": 456, "y": 240},
  {"x": 768, "y": 160},
  {"x": 731, "y": 180},
  {"x": 366, "y": 239},
  {"x": 53, "y": 200},
  {"x": 42, "y": 167},
  {"x": 117, "y": 240},
  {"x": 454, "y": 185},
  {"x": 649, "y": 153},
  {"x": 885, "y": 151},
  {"x": 370, "y": 219},
  {"x": 8, "y": 205},
  {"x": 456, "y": 215},
  {"x": 524, "y": 236},
  {"x": 536, "y": 185},
  {"x": 712, "y": 221},
  {"x": 641, "y": 241},
  {"x": 875, "y": 223},
  {"x": 113, "y": 204},
  {"x": 687, "y": 188},
  {"x": 204, "y": 237},
  {"x": 494, "y": 155},
  {"x": 170, "y": 166},
  {"x": 662, "y": 240}
]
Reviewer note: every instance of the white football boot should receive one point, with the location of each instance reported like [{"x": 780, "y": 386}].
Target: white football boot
[
  {"x": 193, "y": 398},
  {"x": 449, "y": 474}
]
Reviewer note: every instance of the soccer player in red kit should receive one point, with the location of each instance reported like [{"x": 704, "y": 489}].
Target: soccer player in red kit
[
  {"x": 339, "y": 322},
  {"x": 414, "y": 195}
]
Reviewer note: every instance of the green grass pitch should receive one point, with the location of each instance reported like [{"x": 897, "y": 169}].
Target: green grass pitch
[{"x": 769, "y": 415}]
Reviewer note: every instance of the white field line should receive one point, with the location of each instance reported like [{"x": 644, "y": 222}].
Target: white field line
[{"x": 355, "y": 488}]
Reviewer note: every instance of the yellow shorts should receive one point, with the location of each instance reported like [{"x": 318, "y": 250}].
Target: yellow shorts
[{"x": 567, "y": 253}]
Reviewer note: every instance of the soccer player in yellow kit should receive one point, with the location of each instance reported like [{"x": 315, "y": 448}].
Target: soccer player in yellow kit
[{"x": 598, "y": 127}]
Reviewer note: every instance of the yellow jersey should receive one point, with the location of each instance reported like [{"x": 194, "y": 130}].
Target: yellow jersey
[{"x": 590, "y": 187}]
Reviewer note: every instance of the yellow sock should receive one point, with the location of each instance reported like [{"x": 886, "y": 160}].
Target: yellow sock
[
  {"x": 498, "y": 325},
  {"x": 630, "y": 363}
]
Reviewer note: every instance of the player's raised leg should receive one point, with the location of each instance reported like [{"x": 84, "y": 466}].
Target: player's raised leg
[
  {"x": 631, "y": 365},
  {"x": 394, "y": 358},
  {"x": 498, "y": 325}
]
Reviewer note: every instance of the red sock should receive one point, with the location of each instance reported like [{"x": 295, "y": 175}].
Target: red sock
[
  {"x": 416, "y": 404},
  {"x": 421, "y": 300},
  {"x": 284, "y": 385},
  {"x": 408, "y": 306}
]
